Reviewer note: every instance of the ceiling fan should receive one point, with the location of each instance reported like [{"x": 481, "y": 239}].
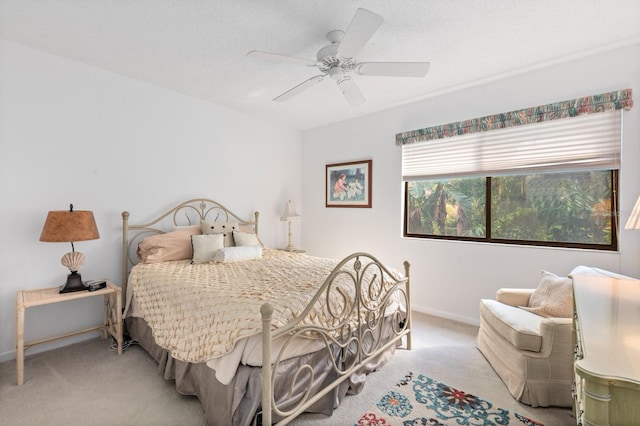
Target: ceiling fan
[{"x": 337, "y": 60}]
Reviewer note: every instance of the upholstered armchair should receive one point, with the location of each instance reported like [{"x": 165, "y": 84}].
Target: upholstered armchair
[{"x": 531, "y": 353}]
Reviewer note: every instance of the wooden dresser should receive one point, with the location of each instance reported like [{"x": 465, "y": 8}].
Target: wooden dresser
[{"x": 607, "y": 348}]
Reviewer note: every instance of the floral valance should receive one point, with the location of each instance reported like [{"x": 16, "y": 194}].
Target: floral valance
[{"x": 597, "y": 103}]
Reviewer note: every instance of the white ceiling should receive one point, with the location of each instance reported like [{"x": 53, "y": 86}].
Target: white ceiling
[{"x": 198, "y": 47}]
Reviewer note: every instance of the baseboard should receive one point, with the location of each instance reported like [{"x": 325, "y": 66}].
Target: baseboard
[
  {"x": 447, "y": 315},
  {"x": 72, "y": 340},
  {"x": 7, "y": 356}
]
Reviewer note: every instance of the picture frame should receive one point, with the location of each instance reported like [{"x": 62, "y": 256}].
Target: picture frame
[{"x": 348, "y": 184}]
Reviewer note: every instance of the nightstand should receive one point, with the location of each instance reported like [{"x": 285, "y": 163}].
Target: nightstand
[{"x": 112, "y": 323}]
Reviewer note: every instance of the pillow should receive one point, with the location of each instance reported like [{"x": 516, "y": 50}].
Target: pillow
[
  {"x": 249, "y": 229},
  {"x": 205, "y": 246},
  {"x": 236, "y": 254},
  {"x": 553, "y": 298},
  {"x": 175, "y": 245},
  {"x": 245, "y": 239},
  {"x": 224, "y": 228},
  {"x": 191, "y": 229}
]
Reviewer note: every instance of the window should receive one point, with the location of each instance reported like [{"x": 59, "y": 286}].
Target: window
[
  {"x": 570, "y": 209},
  {"x": 551, "y": 183},
  {"x": 446, "y": 208}
]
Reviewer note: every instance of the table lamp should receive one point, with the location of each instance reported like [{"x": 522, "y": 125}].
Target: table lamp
[
  {"x": 289, "y": 215},
  {"x": 63, "y": 226},
  {"x": 634, "y": 219}
]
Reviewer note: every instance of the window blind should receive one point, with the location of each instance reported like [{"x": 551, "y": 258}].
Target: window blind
[{"x": 587, "y": 142}]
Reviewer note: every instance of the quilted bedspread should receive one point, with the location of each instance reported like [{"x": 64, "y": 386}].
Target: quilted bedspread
[{"x": 199, "y": 312}]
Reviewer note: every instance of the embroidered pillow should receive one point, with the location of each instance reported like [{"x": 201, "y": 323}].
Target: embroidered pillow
[
  {"x": 553, "y": 298},
  {"x": 224, "y": 228}
]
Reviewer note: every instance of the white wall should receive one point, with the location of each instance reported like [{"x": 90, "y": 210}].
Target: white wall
[
  {"x": 449, "y": 278},
  {"x": 70, "y": 133}
]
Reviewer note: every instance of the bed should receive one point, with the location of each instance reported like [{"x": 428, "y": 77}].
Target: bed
[{"x": 259, "y": 335}]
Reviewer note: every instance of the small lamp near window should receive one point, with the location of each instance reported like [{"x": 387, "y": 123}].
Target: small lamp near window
[
  {"x": 63, "y": 226},
  {"x": 289, "y": 215},
  {"x": 634, "y": 219}
]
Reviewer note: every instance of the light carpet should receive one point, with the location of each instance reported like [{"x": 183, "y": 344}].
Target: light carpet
[
  {"x": 420, "y": 400},
  {"x": 87, "y": 384}
]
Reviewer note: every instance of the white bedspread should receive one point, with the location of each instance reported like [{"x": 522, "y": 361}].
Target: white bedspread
[
  {"x": 209, "y": 312},
  {"x": 200, "y": 311}
]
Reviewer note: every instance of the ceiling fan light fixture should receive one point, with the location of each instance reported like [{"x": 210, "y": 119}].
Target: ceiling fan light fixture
[
  {"x": 336, "y": 73},
  {"x": 336, "y": 60}
]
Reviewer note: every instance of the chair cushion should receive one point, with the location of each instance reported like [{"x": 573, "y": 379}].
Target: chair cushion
[
  {"x": 517, "y": 326},
  {"x": 553, "y": 298}
]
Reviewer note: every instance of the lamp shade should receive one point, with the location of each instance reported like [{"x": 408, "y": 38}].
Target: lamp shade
[
  {"x": 289, "y": 212},
  {"x": 68, "y": 226},
  {"x": 634, "y": 219}
]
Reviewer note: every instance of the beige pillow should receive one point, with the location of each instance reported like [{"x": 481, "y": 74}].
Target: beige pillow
[
  {"x": 553, "y": 298},
  {"x": 245, "y": 239},
  {"x": 224, "y": 228},
  {"x": 175, "y": 245},
  {"x": 205, "y": 246},
  {"x": 249, "y": 229},
  {"x": 192, "y": 229}
]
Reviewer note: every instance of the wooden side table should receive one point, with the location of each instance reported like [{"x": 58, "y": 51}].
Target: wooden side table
[{"x": 112, "y": 323}]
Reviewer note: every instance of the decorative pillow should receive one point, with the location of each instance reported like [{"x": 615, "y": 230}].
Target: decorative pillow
[
  {"x": 224, "y": 228},
  {"x": 553, "y": 298},
  {"x": 175, "y": 245},
  {"x": 245, "y": 239},
  {"x": 249, "y": 229},
  {"x": 236, "y": 254},
  {"x": 205, "y": 246}
]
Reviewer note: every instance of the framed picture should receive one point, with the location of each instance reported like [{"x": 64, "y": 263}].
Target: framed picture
[{"x": 349, "y": 184}]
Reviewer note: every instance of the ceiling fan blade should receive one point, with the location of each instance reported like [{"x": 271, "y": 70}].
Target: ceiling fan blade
[
  {"x": 394, "y": 69},
  {"x": 299, "y": 88},
  {"x": 351, "y": 91},
  {"x": 360, "y": 30},
  {"x": 281, "y": 58}
]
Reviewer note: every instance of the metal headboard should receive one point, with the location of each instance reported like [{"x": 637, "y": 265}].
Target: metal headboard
[{"x": 187, "y": 213}]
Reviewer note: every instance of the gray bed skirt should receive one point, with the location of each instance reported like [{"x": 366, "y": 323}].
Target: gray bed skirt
[{"x": 239, "y": 402}]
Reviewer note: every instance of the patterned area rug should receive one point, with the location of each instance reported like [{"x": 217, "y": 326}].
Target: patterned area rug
[{"x": 420, "y": 400}]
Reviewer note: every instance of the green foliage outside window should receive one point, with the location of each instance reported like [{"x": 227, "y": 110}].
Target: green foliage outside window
[
  {"x": 569, "y": 209},
  {"x": 454, "y": 207}
]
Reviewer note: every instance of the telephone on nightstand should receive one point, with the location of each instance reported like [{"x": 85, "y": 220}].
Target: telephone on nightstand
[{"x": 93, "y": 285}]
